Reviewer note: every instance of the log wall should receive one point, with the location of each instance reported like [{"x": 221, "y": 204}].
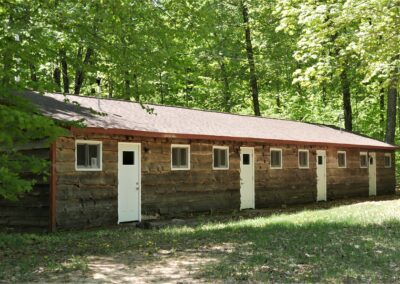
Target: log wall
[
  {"x": 90, "y": 198},
  {"x": 85, "y": 198},
  {"x": 31, "y": 210},
  {"x": 349, "y": 181},
  {"x": 385, "y": 177},
  {"x": 287, "y": 185}
]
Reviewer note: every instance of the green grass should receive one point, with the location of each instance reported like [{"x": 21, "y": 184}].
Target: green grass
[{"x": 357, "y": 243}]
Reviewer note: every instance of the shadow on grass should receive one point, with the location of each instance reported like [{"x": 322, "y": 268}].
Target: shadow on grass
[
  {"x": 312, "y": 252},
  {"x": 350, "y": 243}
]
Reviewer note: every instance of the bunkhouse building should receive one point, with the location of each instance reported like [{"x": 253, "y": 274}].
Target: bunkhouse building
[{"x": 131, "y": 162}]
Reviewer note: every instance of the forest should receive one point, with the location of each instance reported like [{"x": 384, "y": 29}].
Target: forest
[{"x": 331, "y": 62}]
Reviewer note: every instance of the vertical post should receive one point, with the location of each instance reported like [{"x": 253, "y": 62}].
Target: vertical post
[{"x": 53, "y": 185}]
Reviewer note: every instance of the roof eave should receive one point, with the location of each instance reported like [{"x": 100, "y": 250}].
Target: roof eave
[{"x": 114, "y": 131}]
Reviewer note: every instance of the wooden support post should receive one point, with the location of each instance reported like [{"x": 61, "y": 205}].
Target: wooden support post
[{"x": 53, "y": 188}]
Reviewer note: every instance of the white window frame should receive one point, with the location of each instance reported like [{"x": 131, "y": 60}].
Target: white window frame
[
  {"x": 270, "y": 159},
  {"x": 181, "y": 146},
  {"x": 90, "y": 142},
  {"x": 364, "y": 154},
  {"x": 227, "y": 157},
  {"x": 345, "y": 159},
  {"x": 390, "y": 160},
  {"x": 308, "y": 158}
]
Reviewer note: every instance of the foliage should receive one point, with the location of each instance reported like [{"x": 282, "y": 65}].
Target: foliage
[
  {"x": 21, "y": 125},
  {"x": 317, "y": 61},
  {"x": 347, "y": 242}
]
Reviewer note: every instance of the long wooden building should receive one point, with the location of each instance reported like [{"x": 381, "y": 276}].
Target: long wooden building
[{"x": 133, "y": 162}]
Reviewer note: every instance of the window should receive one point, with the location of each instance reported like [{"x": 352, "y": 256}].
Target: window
[
  {"x": 303, "y": 159},
  {"x": 246, "y": 159},
  {"x": 388, "y": 160},
  {"x": 88, "y": 155},
  {"x": 220, "y": 157},
  {"x": 341, "y": 158},
  {"x": 128, "y": 158},
  {"x": 320, "y": 160},
  {"x": 363, "y": 160},
  {"x": 276, "y": 159},
  {"x": 180, "y": 157}
]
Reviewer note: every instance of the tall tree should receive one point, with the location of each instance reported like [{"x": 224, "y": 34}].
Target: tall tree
[
  {"x": 250, "y": 58},
  {"x": 80, "y": 71},
  {"x": 64, "y": 70},
  {"x": 391, "y": 111}
]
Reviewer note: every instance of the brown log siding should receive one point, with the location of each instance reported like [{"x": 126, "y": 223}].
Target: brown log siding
[
  {"x": 385, "y": 177},
  {"x": 90, "y": 198},
  {"x": 346, "y": 182}
]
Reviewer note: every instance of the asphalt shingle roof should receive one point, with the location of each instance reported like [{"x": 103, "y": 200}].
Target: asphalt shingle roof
[{"x": 176, "y": 121}]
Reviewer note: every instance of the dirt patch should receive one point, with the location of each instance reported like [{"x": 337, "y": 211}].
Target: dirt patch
[{"x": 133, "y": 267}]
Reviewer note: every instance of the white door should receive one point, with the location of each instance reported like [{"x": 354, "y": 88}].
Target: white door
[
  {"x": 246, "y": 177},
  {"x": 321, "y": 175},
  {"x": 128, "y": 182},
  {"x": 372, "y": 173}
]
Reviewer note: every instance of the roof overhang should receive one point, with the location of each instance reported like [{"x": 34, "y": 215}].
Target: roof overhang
[{"x": 114, "y": 131}]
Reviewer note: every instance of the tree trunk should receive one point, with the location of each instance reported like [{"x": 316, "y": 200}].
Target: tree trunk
[
  {"x": 250, "y": 59},
  {"x": 127, "y": 88},
  {"x": 33, "y": 73},
  {"x": 226, "y": 89},
  {"x": 64, "y": 70},
  {"x": 57, "y": 78},
  {"x": 161, "y": 87},
  {"x": 80, "y": 72},
  {"x": 136, "y": 87},
  {"x": 278, "y": 97},
  {"x": 382, "y": 113},
  {"x": 391, "y": 111},
  {"x": 348, "y": 115}
]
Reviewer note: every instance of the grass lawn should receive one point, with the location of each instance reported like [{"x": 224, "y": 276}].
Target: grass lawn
[{"x": 345, "y": 243}]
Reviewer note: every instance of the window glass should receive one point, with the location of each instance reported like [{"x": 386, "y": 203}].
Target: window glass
[
  {"x": 303, "y": 159},
  {"x": 88, "y": 156},
  {"x": 180, "y": 157},
  {"x": 341, "y": 159},
  {"x": 81, "y": 155},
  {"x": 183, "y": 157},
  {"x": 320, "y": 160},
  {"x": 388, "y": 161},
  {"x": 223, "y": 157},
  {"x": 220, "y": 158},
  {"x": 93, "y": 155},
  {"x": 175, "y": 159},
  {"x": 276, "y": 158},
  {"x": 363, "y": 160},
  {"x": 128, "y": 158},
  {"x": 216, "y": 158},
  {"x": 246, "y": 159}
]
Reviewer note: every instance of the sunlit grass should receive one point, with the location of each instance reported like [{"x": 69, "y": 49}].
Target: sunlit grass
[{"x": 359, "y": 243}]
